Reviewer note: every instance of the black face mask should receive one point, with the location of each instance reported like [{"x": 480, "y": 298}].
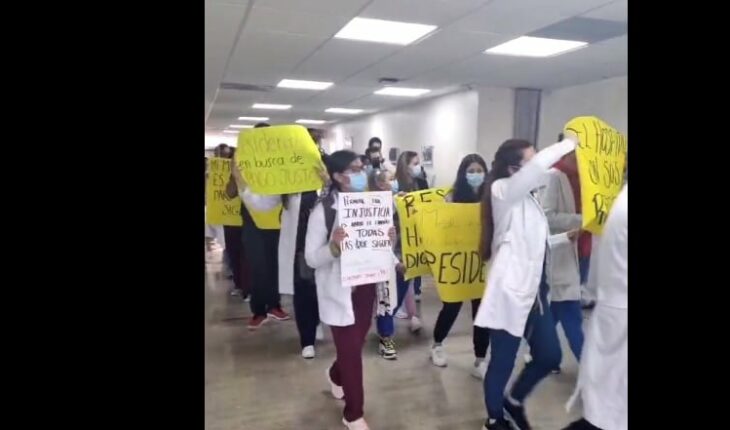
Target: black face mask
[{"x": 376, "y": 163}]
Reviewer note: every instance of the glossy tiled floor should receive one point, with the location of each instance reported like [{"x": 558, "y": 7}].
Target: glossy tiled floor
[{"x": 258, "y": 381}]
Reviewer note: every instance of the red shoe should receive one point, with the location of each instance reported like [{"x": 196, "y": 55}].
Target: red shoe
[
  {"x": 279, "y": 314},
  {"x": 256, "y": 321}
]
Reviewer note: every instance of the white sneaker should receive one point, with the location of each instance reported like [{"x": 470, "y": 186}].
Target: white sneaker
[
  {"x": 401, "y": 314},
  {"x": 438, "y": 356},
  {"x": 320, "y": 333},
  {"x": 416, "y": 324},
  {"x": 417, "y": 297},
  {"x": 479, "y": 370},
  {"x": 356, "y": 425},
  {"x": 308, "y": 352},
  {"x": 337, "y": 391}
]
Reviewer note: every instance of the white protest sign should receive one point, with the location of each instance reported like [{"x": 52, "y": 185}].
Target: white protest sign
[{"x": 367, "y": 254}]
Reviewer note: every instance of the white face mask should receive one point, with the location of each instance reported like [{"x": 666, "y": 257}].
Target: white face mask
[{"x": 415, "y": 171}]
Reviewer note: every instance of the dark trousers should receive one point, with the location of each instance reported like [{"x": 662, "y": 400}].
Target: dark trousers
[
  {"x": 236, "y": 258},
  {"x": 346, "y": 371},
  {"x": 262, "y": 256},
  {"x": 446, "y": 318},
  {"x": 306, "y": 310}
]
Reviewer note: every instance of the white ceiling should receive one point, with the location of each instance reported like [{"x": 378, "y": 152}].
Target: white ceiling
[{"x": 260, "y": 42}]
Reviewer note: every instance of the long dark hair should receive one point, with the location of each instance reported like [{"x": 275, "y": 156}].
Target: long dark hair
[
  {"x": 338, "y": 162},
  {"x": 406, "y": 182},
  {"x": 510, "y": 153},
  {"x": 463, "y": 192}
]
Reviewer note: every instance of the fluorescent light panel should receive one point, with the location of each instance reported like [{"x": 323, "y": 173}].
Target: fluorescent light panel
[
  {"x": 310, "y": 121},
  {"x": 304, "y": 85},
  {"x": 382, "y": 31},
  {"x": 345, "y": 111},
  {"x": 240, "y": 126},
  {"x": 537, "y": 47},
  {"x": 253, "y": 118},
  {"x": 270, "y": 106},
  {"x": 231, "y": 131},
  {"x": 402, "y": 92}
]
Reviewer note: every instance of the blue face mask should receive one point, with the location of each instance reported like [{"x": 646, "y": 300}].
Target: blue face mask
[
  {"x": 475, "y": 179},
  {"x": 394, "y": 186},
  {"x": 369, "y": 169},
  {"x": 358, "y": 181}
]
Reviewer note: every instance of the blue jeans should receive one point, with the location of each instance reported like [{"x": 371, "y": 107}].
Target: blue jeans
[
  {"x": 542, "y": 337},
  {"x": 570, "y": 315},
  {"x": 385, "y": 322}
]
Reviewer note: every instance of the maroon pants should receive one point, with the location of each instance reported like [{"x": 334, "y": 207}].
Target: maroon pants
[{"x": 346, "y": 371}]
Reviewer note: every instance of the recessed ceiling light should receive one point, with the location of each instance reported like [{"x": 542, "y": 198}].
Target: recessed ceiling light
[
  {"x": 402, "y": 92},
  {"x": 270, "y": 106},
  {"x": 304, "y": 85},
  {"x": 382, "y": 31},
  {"x": 231, "y": 131},
  {"x": 343, "y": 110},
  {"x": 253, "y": 118},
  {"x": 527, "y": 46},
  {"x": 240, "y": 126},
  {"x": 310, "y": 121}
]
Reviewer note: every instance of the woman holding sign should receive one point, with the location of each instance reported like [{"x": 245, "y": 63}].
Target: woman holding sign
[
  {"x": 410, "y": 176},
  {"x": 347, "y": 310},
  {"x": 515, "y": 232},
  {"x": 379, "y": 180},
  {"x": 293, "y": 272},
  {"x": 468, "y": 188}
]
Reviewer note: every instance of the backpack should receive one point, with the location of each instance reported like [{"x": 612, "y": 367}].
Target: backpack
[{"x": 305, "y": 272}]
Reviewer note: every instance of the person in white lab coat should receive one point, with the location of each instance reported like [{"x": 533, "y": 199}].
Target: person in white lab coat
[
  {"x": 561, "y": 202},
  {"x": 347, "y": 310},
  {"x": 603, "y": 378},
  {"x": 515, "y": 237}
]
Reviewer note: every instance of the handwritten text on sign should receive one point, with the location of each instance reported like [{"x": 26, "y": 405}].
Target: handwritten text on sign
[
  {"x": 414, "y": 256},
  {"x": 367, "y": 254},
  {"x": 220, "y": 210},
  {"x": 279, "y": 160},
  {"x": 601, "y": 155},
  {"x": 451, "y": 233}
]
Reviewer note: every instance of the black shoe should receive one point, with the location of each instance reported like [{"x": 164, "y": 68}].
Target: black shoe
[
  {"x": 516, "y": 414},
  {"x": 581, "y": 424},
  {"x": 501, "y": 424}
]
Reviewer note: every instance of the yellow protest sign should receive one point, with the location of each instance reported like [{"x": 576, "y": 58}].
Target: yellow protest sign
[
  {"x": 451, "y": 233},
  {"x": 279, "y": 160},
  {"x": 220, "y": 210},
  {"x": 413, "y": 255},
  {"x": 601, "y": 155}
]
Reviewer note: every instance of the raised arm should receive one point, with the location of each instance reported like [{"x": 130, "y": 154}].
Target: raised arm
[{"x": 533, "y": 174}]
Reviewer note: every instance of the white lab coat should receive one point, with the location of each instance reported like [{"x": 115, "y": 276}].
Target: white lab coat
[
  {"x": 334, "y": 300},
  {"x": 562, "y": 271},
  {"x": 603, "y": 377},
  {"x": 519, "y": 243},
  {"x": 288, "y": 235}
]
